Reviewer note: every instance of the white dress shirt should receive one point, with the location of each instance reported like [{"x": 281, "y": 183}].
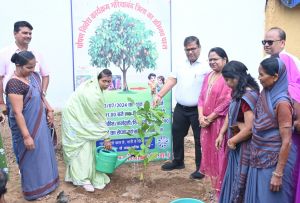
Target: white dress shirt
[
  {"x": 7, "y": 68},
  {"x": 189, "y": 82}
]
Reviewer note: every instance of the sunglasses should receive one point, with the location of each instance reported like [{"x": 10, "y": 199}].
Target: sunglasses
[{"x": 269, "y": 42}]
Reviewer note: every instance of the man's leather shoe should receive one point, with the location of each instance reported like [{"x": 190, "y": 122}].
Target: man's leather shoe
[
  {"x": 197, "y": 175},
  {"x": 171, "y": 166}
]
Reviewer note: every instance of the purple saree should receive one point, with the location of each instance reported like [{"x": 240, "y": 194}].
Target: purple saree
[
  {"x": 266, "y": 144},
  {"x": 38, "y": 167},
  {"x": 233, "y": 187}
]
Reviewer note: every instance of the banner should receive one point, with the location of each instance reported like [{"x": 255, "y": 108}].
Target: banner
[{"x": 132, "y": 39}]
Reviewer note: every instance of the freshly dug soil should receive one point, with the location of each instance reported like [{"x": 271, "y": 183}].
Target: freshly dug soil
[{"x": 125, "y": 187}]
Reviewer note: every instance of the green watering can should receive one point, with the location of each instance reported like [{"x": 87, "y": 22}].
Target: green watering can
[{"x": 107, "y": 160}]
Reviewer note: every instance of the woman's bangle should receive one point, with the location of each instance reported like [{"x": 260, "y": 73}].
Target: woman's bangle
[
  {"x": 208, "y": 120},
  {"x": 44, "y": 93},
  {"x": 233, "y": 146},
  {"x": 278, "y": 175},
  {"x": 221, "y": 134},
  {"x": 50, "y": 110}
]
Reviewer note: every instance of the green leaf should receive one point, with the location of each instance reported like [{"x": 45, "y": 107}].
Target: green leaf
[
  {"x": 143, "y": 147},
  {"x": 152, "y": 156},
  {"x": 138, "y": 120},
  {"x": 149, "y": 142},
  {"x": 145, "y": 127},
  {"x": 131, "y": 100},
  {"x": 147, "y": 106},
  {"x": 155, "y": 134},
  {"x": 133, "y": 151},
  {"x": 141, "y": 133}
]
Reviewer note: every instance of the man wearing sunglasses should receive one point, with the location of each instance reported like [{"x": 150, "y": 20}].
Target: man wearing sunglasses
[
  {"x": 188, "y": 79},
  {"x": 274, "y": 44}
]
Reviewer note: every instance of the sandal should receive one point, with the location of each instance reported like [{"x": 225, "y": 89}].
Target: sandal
[{"x": 89, "y": 188}]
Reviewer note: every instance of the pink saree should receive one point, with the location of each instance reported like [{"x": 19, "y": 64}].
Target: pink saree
[
  {"x": 293, "y": 75},
  {"x": 214, "y": 99}
]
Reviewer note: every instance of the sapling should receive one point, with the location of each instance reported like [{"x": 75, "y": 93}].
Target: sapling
[{"x": 149, "y": 120}]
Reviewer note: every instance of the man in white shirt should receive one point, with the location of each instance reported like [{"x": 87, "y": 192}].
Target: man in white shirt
[
  {"x": 23, "y": 35},
  {"x": 189, "y": 78}
]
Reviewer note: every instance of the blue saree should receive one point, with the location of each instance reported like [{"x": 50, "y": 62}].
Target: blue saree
[
  {"x": 266, "y": 144},
  {"x": 234, "y": 182},
  {"x": 38, "y": 167}
]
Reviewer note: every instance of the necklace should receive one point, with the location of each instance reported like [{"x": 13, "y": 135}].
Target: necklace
[
  {"x": 23, "y": 79},
  {"x": 213, "y": 77},
  {"x": 211, "y": 80}
]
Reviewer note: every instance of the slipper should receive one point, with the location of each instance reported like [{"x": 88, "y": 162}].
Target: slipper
[{"x": 89, "y": 188}]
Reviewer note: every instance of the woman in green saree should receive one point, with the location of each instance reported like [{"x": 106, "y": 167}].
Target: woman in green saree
[{"x": 83, "y": 123}]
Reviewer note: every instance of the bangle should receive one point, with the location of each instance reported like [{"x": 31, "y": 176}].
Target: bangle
[
  {"x": 221, "y": 134},
  {"x": 44, "y": 93},
  {"x": 50, "y": 110},
  {"x": 208, "y": 120},
  {"x": 277, "y": 174},
  {"x": 233, "y": 146}
]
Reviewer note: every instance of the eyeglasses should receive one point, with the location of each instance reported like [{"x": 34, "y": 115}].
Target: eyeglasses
[
  {"x": 213, "y": 60},
  {"x": 191, "y": 49},
  {"x": 269, "y": 42}
]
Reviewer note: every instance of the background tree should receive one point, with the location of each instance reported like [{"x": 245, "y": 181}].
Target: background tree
[{"x": 125, "y": 42}]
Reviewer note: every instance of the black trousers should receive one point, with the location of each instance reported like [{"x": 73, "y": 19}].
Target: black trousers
[{"x": 183, "y": 118}]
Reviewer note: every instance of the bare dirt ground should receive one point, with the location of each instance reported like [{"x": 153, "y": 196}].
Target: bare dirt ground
[{"x": 125, "y": 187}]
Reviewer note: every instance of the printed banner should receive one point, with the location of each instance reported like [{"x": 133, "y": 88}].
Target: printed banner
[{"x": 132, "y": 39}]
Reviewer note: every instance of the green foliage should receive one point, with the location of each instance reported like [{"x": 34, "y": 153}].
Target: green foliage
[
  {"x": 149, "y": 120},
  {"x": 125, "y": 42}
]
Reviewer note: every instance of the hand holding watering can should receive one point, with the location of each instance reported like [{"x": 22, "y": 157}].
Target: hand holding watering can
[{"x": 107, "y": 144}]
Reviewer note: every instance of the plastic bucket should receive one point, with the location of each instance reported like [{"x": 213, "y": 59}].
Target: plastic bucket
[
  {"x": 186, "y": 200},
  {"x": 106, "y": 160}
]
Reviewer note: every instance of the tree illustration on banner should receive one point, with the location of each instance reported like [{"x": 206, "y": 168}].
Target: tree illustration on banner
[{"x": 125, "y": 42}]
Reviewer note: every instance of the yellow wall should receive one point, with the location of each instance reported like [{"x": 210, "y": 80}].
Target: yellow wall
[{"x": 289, "y": 20}]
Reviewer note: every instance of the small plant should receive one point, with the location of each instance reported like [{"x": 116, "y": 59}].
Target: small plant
[{"x": 149, "y": 119}]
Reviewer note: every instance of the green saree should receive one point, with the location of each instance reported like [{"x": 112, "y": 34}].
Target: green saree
[{"x": 83, "y": 123}]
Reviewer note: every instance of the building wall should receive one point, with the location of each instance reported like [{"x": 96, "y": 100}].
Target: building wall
[
  {"x": 288, "y": 19},
  {"x": 217, "y": 23}
]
